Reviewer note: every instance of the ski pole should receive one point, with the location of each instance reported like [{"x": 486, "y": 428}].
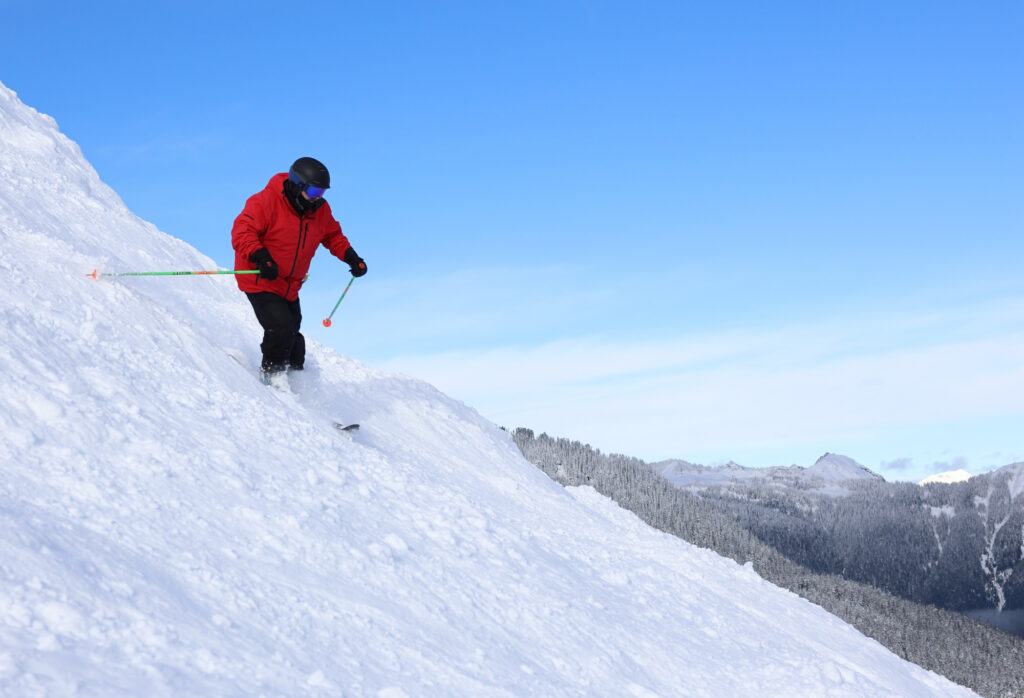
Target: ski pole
[
  {"x": 327, "y": 320},
  {"x": 96, "y": 274}
]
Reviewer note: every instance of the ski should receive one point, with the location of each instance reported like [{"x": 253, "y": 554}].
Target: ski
[{"x": 346, "y": 427}]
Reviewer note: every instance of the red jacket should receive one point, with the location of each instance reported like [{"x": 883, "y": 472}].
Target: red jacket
[{"x": 268, "y": 220}]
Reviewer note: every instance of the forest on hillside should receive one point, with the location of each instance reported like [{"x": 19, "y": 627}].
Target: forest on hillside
[
  {"x": 957, "y": 546},
  {"x": 982, "y": 658}
]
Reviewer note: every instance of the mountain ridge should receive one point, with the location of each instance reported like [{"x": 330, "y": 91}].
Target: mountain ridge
[{"x": 827, "y": 474}]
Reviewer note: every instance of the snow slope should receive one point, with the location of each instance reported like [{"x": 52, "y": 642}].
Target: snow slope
[{"x": 169, "y": 526}]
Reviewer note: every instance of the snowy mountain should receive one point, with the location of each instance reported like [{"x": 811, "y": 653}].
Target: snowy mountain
[
  {"x": 959, "y": 475},
  {"x": 824, "y": 476},
  {"x": 835, "y": 468},
  {"x": 1014, "y": 474},
  {"x": 960, "y": 542},
  {"x": 170, "y": 526}
]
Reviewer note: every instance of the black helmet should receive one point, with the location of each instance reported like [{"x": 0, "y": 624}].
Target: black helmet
[{"x": 309, "y": 172}]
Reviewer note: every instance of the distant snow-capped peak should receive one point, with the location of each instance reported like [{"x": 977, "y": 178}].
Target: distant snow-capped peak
[
  {"x": 836, "y": 468},
  {"x": 948, "y": 477}
]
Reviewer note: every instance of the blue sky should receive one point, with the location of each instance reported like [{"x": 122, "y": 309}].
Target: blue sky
[{"x": 711, "y": 231}]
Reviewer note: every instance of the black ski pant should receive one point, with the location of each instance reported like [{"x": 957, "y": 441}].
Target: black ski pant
[{"x": 283, "y": 345}]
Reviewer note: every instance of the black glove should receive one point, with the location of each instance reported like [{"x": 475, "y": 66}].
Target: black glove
[
  {"x": 265, "y": 263},
  {"x": 355, "y": 262}
]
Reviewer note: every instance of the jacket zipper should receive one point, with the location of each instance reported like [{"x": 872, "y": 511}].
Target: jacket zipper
[{"x": 303, "y": 230}]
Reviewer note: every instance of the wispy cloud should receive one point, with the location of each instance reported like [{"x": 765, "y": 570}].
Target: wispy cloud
[
  {"x": 708, "y": 395},
  {"x": 899, "y": 465},
  {"x": 946, "y": 466}
]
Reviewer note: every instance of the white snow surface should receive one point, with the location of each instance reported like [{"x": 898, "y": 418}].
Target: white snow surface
[{"x": 170, "y": 526}]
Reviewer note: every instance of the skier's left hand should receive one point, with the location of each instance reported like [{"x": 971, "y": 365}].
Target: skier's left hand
[
  {"x": 265, "y": 263},
  {"x": 355, "y": 262}
]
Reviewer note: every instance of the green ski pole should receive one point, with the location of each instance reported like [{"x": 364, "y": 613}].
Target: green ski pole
[
  {"x": 96, "y": 274},
  {"x": 327, "y": 320}
]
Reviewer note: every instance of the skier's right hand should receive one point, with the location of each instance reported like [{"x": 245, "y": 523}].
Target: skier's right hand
[
  {"x": 355, "y": 262},
  {"x": 265, "y": 263}
]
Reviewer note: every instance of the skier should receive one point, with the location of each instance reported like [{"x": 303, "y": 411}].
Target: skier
[{"x": 277, "y": 233}]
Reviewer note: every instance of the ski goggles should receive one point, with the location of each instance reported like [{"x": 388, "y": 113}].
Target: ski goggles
[
  {"x": 311, "y": 191},
  {"x": 315, "y": 192}
]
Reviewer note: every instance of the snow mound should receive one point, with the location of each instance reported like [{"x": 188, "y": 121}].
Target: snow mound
[{"x": 170, "y": 526}]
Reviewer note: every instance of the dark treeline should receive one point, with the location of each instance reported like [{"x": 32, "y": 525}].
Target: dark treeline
[{"x": 967, "y": 652}]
